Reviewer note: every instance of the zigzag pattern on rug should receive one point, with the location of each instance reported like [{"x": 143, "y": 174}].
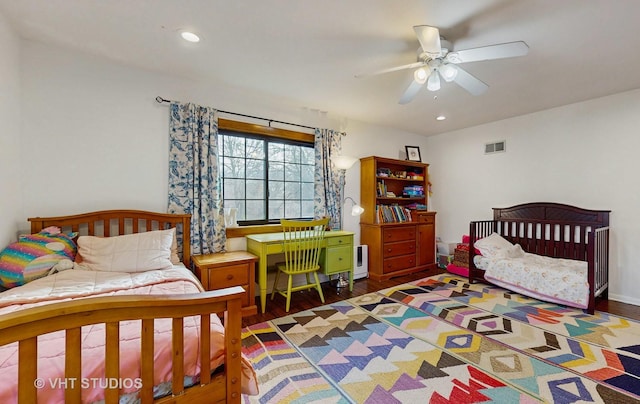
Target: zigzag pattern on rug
[{"x": 443, "y": 340}]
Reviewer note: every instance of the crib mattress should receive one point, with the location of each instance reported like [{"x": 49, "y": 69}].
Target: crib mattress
[{"x": 556, "y": 280}]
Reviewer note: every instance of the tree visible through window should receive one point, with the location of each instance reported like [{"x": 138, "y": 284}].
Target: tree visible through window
[{"x": 266, "y": 178}]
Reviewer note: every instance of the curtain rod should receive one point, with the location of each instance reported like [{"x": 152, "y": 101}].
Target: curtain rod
[{"x": 160, "y": 100}]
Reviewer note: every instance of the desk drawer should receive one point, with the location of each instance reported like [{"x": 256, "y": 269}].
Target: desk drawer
[
  {"x": 338, "y": 241},
  {"x": 232, "y": 275},
  {"x": 337, "y": 259},
  {"x": 400, "y": 248}
]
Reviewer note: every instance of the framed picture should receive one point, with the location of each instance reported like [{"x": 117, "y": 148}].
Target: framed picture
[{"x": 413, "y": 153}]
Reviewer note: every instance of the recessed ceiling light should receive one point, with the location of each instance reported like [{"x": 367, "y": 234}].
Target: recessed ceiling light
[
  {"x": 440, "y": 118},
  {"x": 190, "y": 36}
]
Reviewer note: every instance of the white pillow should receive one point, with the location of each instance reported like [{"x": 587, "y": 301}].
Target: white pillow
[
  {"x": 515, "y": 252},
  {"x": 494, "y": 246},
  {"x": 129, "y": 253},
  {"x": 175, "y": 258}
]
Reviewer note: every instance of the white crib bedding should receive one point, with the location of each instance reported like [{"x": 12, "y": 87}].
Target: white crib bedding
[{"x": 556, "y": 280}]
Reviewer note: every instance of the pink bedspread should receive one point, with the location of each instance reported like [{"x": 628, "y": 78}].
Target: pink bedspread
[{"x": 78, "y": 284}]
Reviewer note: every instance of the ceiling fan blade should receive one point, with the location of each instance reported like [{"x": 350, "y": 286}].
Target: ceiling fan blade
[
  {"x": 429, "y": 38},
  {"x": 500, "y": 51},
  {"x": 410, "y": 92},
  {"x": 470, "y": 83},
  {"x": 391, "y": 69}
]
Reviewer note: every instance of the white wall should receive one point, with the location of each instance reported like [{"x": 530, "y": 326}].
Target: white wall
[
  {"x": 95, "y": 138},
  {"x": 584, "y": 154},
  {"x": 11, "y": 162}
]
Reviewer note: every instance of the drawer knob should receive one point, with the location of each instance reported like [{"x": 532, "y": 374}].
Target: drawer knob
[
  {"x": 339, "y": 241},
  {"x": 340, "y": 259},
  {"x": 388, "y": 249},
  {"x": 229, "y": 277}
]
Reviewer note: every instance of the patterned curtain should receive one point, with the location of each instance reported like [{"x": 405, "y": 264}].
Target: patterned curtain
[
  {"x": 194, "y": 182},
  {"x": 329, "y": 181}
]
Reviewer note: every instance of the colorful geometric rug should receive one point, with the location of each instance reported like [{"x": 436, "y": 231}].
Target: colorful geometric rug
[{"x": 442, "y": 340}]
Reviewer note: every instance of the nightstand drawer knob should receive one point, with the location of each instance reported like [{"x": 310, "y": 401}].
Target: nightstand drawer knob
[{"x": 229, "y": 277}]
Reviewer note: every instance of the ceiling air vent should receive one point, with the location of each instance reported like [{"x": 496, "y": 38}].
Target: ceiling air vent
[{"x": 496, "y": 147}]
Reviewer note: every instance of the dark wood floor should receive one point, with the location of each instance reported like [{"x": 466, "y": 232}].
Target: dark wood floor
[{"x": 306, "y": 300}]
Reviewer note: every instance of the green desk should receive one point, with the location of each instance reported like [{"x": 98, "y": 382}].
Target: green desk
[{"x": 336, "y": 256}]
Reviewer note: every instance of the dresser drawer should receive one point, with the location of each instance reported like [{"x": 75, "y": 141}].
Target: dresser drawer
[
  {"x": 231, "y": 275},
  {"x": 399, "y": 248},
  {"x": 398, "y": 263},
  {"x": 398, "y": 234},
  {"x": 426, "y": 219},
  {"x": 337, "y": 259}
]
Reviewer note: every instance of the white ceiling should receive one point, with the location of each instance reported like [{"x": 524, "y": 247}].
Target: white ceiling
[{"x": 308, "y": 51}]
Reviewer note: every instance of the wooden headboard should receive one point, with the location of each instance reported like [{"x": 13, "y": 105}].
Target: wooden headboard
[
  {"x": 553, "y": 213},
  {"x": 108, "y": 223},
  {"x": 552, "y": 229}
]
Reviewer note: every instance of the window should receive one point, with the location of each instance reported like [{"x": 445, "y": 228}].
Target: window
[{"x": 266, "y": 177}]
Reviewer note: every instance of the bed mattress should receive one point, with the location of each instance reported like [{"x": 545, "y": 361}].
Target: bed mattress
[{"x": 78, "y": 284}]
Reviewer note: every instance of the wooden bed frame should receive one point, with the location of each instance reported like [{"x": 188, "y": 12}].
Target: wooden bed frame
[
  {"x": 554, "y": 230},
  {"x": 24, "y": 326}
]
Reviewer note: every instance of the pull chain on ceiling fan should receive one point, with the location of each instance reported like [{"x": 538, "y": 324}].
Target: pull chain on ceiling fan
[{"x": 436, "y": 60}]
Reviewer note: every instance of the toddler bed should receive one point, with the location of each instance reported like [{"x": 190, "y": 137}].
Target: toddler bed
[
  {"x": 96, "y": 333},
  {"x": 549, "y": 251}
]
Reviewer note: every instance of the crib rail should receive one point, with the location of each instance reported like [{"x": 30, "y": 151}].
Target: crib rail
[
  {"x": 478, "y": 230},
  {"x": 599, "y": 277}
]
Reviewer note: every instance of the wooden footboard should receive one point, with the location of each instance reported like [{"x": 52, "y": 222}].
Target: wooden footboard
[
  {"x": 553, "y": 230},
  {"x": 26, "y": 325}
]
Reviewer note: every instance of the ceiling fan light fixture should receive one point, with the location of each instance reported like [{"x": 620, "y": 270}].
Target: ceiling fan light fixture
[
  {"x": 448, "y": 72},
  {"x": 433, "y": 83},
  {"x": 420, "y": 75}
]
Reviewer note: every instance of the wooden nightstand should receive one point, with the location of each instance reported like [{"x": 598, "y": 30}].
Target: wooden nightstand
[{"x": 223, "y": 270}]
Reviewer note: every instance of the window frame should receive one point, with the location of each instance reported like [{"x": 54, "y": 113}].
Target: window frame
[{"x": 253, "y": 130}]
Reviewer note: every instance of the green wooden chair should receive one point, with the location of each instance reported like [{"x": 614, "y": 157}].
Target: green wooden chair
[{"x": 301, "y": 245}]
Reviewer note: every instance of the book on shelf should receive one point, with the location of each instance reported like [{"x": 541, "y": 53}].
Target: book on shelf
[
  {"x": 392, "y": 214},
  {"x": 413, "y": 190},
  {"x": 382, "y": 188}
]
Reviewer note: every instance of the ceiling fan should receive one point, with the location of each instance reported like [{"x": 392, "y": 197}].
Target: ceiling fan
[{"x": 436, "y": 60}]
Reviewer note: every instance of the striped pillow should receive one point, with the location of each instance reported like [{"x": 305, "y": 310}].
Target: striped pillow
[{"x": 33, "y": 255}]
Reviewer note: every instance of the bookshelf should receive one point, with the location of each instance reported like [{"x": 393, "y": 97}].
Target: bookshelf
[{"x": 396, "y": 223}]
